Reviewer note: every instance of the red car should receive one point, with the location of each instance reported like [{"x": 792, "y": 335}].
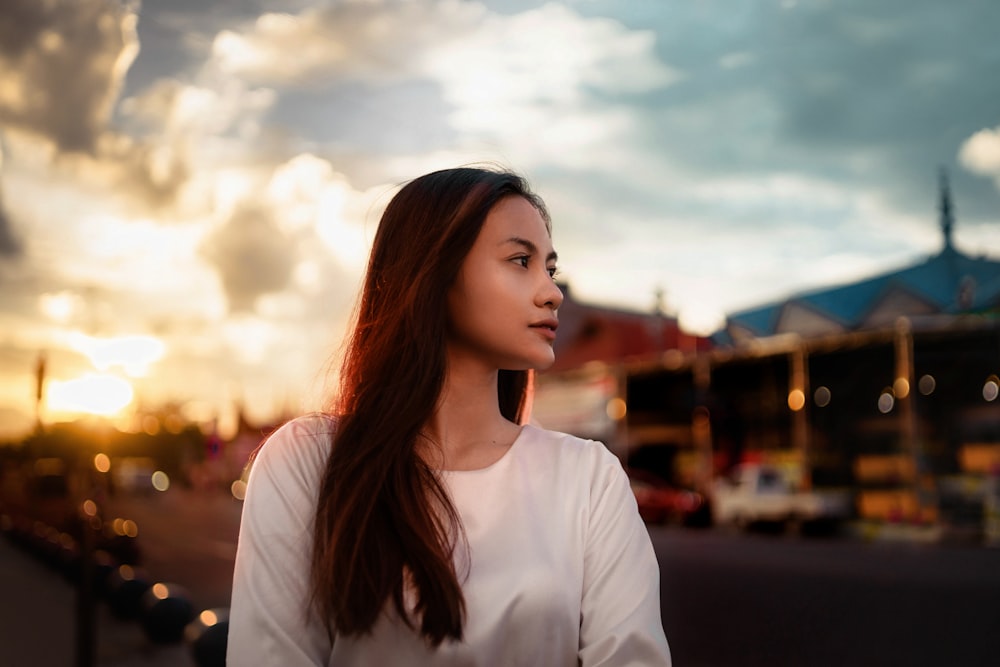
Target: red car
[{"x": 659, "y": 502}]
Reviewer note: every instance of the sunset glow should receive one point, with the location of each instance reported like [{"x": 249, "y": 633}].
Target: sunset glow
[
  {"x": 199, "y": 225},
  {"x": 92, "y": 394},
  {"x": 134, "y": 354}
]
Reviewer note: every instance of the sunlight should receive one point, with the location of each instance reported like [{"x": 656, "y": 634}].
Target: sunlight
[
  {"x": 60, "y": 306},
  {"x": 133, "y": 353},
  {"x": 92, "y": 394}
]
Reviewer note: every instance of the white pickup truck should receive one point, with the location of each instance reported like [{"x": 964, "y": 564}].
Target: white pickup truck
[{"x": 759, "y": 493}]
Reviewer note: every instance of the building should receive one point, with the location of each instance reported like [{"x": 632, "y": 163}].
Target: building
[
  {"x": 889, "y": 387},
  {"x": 591, "y": 333},
  {"x": 948, "y": 284},
  {"x": 594, "y": 342}
]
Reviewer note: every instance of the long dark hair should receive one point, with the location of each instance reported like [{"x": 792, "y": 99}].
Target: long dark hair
[{"x": 384, "y": 522}]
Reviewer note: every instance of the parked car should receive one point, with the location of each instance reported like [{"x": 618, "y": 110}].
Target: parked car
[
  {"x": 661, "y": 502},
  {"x": 759, "y": 493},
  {"x": 133, "y": 474}
]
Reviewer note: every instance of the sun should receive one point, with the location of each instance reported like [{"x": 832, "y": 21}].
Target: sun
[{"x": 99, "y": 394}]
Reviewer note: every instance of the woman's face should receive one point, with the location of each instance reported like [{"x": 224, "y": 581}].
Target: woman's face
[{"x": 502, "y": 306}]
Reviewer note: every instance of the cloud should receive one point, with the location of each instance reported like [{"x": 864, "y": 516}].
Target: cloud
[
  {"x": 497, "y": 78},
  {"x": 178, "y": 130},
  {"x": 252, "y": 255},
  {"x": 874, "y": 96},
  {"x": 212, "y": 106},
  {"x": 550, "y": 56},
  {"x": 355, "y": 40},
  {"x": 297, "y": 229},
  {"x": 548, "y": 73},
  {"x": 724, "y": 152},
  {"x": 9, "y": 244},
  {"x": 62, "y": 65},
  {"x": 980, "y": 153}
]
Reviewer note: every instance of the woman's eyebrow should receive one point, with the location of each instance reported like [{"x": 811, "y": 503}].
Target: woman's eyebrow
[{"x": 531, "y": 247}]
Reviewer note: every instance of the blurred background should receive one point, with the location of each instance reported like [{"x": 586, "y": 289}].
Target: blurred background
[{"x": 778, "y": 231}]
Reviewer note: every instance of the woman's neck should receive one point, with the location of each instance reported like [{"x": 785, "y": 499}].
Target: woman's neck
[{"x": 467, "y": 430}]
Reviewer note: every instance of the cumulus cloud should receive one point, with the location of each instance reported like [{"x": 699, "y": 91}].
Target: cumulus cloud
[
  {"x": 252, "y": 255},
  {"x": 62, "y": 65},
  {"x": 292, "y": 230},
  {"x": 980, "y": 153},
  {"x": 357, "y": 40},
  {"x": 450, "y": 39},
  {"x": 547, "y": 55},
  {"x": 550, "y": 74},
  {"x": 500, "y": 76},
  {"x": 9, "y": 244},
  {"x": 173, "y": 126},
  {"x": 701, "y": 144},
  {"x": 214, "y": 106},
  {"x": 312, "y": 198}
]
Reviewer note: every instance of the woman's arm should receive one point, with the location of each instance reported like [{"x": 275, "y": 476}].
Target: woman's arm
[
  {"x": 620, "y": 621},
  {"x": 270, "y": 622}
]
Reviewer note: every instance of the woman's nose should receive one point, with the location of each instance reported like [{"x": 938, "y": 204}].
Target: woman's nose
[{"x": 552, "y": 296}]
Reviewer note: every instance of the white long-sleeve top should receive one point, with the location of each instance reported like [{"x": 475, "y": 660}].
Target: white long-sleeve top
[{"x": 560, "y": 566}]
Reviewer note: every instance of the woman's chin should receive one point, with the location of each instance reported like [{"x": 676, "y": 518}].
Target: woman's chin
[{"x": 545, "y": 364}]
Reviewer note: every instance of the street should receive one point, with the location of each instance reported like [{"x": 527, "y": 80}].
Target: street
[
  {"x": 728, "y": 599},
  {"x": 187, "y": 538},
  {"x": 763, "y": 599}
]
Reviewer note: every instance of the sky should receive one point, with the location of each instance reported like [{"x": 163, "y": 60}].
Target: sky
[{"x": 188, "y": 188}]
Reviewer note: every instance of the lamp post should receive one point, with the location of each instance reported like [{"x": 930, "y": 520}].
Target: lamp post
[{"x": 39, "y": 390}]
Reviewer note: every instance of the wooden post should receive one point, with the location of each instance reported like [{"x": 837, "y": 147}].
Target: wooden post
[
  {"x": 798, "y": 403},
  {"x": 701, "y": 422},
  {"x": 902, "y": 389}
]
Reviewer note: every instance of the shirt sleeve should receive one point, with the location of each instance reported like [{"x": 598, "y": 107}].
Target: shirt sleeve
[
  {"x": 620, "y": 623},
  {"x": 270, "y": 622}
]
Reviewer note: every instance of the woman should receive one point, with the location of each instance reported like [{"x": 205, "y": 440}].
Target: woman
[{"x": 422, "y": 521}]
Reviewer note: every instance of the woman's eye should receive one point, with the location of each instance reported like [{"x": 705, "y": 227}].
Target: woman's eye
[
  {"x": 522, "y": 260},
  {"x": 553, "y": 272}
]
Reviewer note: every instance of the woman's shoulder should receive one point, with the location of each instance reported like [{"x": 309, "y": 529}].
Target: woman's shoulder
[
  {"x": 302, "y": 442},
  {"x": 310, "y": 425},
  {"x": 573, "y": 466},
  {"x": 560, "y": 439},
  {"x": 567, "y": 449}
]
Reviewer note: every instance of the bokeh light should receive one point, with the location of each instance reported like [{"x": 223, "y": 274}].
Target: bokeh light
[
  {"x": 822, "y": 396},
  {"x": 238, "y": 489},
  {"x": 616, "y": 409},
  {"x": 991, "y": 389},
  {"x": 102, "y": 462},
  {"x": 901, "y": 388},
  {"x": 796, "y": 400},
  {"x": 89, "y": 507},
  {"x": 886, "y": 401},
  {"x": 160, "y": 480}
]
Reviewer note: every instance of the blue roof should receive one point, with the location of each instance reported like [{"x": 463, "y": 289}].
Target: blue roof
[{"x": 939, "y": 281}]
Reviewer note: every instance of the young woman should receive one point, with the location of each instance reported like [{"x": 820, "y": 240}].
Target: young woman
[{"x": 422, "y": 521}]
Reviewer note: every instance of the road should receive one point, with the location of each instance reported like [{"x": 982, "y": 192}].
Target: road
[
  {"x": 187, "y": 538},
  {"x": 762, "y": 599},
  {"x": 728, "y": 599}
]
